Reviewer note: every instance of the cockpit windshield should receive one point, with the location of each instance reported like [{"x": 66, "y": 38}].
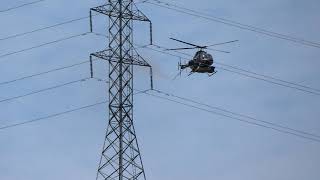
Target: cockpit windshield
[{"x": 202, "y": 55}]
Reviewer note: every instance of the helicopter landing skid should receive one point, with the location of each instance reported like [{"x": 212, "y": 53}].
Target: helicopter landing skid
[
  {"x": 211, "y": 74},
  {"x": 190, "y": 73}
]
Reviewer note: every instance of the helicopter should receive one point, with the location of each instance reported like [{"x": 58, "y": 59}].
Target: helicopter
[{"x": 202, "y": 61}]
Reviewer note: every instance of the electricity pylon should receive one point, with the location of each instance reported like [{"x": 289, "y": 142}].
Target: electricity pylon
[{"x": 121, "y": 157}]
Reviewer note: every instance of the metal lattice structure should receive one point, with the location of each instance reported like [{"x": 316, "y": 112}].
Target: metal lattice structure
[{"x": 121, "y": 158}]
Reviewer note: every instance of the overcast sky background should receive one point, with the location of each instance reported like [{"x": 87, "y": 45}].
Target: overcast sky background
[{"x": 176, "y": 142}]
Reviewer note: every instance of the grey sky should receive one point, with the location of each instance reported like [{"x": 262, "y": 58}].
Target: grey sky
[{"x": 177, "y": 142}]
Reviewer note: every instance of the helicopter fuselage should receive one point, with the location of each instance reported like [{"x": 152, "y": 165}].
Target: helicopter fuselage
[{"x": 201, "y": 63}]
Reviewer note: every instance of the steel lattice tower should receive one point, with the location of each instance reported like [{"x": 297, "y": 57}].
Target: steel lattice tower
[{"x": 120, "y": 157}]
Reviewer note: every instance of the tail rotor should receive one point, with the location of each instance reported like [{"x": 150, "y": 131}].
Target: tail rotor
[{"x": 179, "y": 69}]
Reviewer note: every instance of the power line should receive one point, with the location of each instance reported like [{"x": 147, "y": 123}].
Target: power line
[
  {"x": 237, "y": 114},
  {"x": 235, "y": 118},
  {"x": 44, "y": 28},
  {"x": 44, "y": 44},
  {"x": 269, "y": 77},
  {"x": 21, "y": 5},
  {"x": 43, "y": 90},
  {"x": 272, "y": 82},
  {"x": 233, "y": 23},
  {"x": 52, "y": 115},
  {"x": 45, "y": 72}
]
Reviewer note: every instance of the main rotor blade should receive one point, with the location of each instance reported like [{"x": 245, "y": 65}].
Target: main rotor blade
[
  {"x": 222, "y": 43},
  {"x": 180, "y": 49},
  {"x": 184, "y": 42},
  {"x": 219, "y": 50}
]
